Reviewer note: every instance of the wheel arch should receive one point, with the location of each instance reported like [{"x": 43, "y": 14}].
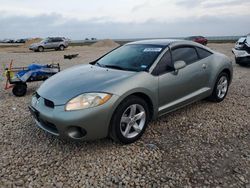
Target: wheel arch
[
  {"x": 40, "y": 46},
  {"x": 144, "y": 96},
  {"x": 148, "y": 100},
  {"x": 225, "y": 70},
  {"x": 228, "y": 72}
]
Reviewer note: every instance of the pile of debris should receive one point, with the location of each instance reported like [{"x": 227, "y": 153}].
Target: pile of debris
[{"x": 31, "y": 41}]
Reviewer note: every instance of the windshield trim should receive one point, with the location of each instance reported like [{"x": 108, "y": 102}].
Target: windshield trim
[{"x": 155, "y": 63}]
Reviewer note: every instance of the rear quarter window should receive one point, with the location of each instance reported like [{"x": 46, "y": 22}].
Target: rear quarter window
[
  {"x": 203, "y": 53},
  {"x": 57, "y": 40}
]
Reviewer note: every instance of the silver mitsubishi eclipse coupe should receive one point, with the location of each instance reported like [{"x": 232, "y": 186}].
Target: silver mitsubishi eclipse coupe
[{"x": 118, "y": 94}]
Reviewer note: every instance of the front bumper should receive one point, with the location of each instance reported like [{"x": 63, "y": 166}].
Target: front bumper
[
  {"x": 33, "y": 48},
  {"x": 87, "y": 124},
  {"x": 241, "y": 57},
  {"x": 240, "y": 53}
]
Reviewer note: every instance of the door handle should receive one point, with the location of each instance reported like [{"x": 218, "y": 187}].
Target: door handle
[{"x": 204, "y": 66}]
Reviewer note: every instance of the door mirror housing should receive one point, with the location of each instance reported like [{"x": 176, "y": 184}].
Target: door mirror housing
[{"x": 179, "y": 65}]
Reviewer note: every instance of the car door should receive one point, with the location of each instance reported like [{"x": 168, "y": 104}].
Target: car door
[
  {"x": 55, "y": 43},
  {"x": 178, "y": 88},
  {"x": 49, "y": 44}
]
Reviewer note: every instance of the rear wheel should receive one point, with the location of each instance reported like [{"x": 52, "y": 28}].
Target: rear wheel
[
  {"x": 129, "y": 120},
  {"x": 242, "y": 63},
  {"x": 19, "y": 90},
  {"x": 220, "y": 88}
]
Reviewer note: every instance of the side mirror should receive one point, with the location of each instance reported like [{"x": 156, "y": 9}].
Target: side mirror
[{"x": 179, "y": 65}]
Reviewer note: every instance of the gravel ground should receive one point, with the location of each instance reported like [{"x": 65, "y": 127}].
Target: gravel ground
[{"x": 202, "y": 145}]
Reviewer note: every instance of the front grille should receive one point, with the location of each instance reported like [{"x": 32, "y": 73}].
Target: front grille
[{"x": 49, "y": 103}]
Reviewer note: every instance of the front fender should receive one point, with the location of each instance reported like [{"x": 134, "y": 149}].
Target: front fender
[{"x": 150, "y": 94}]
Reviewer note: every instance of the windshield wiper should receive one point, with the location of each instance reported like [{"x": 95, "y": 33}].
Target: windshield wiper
[
  {"x": 116, "y": 67},
  {"x": 100, "y": 65}
]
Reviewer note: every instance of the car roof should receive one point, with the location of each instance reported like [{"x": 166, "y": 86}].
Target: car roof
[
  {"x": 170, "y": 43},
  {"x": 242, "y": 38},
  {"x": 165, "y": 42},
  {"x": 56, "y": 37},
  {"x": 159, "y": 42}
]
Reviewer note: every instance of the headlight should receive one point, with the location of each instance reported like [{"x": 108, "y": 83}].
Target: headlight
[{"x": 87, "y": 100}]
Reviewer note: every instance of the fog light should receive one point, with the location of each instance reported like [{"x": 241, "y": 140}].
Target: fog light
[{"x": 76, "y": 132}]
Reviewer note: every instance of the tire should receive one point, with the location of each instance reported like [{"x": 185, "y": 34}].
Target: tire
[
  {"x": 40, "y": 49},
  {"x": 61, "y": 47},
  {"x": 243, "y": 64},
  {"x": 134, "y": 122},
  {"x": 19, "y": 90},
  {"x": 221, "y": 88},
  {"x": 239, "y": 62}
]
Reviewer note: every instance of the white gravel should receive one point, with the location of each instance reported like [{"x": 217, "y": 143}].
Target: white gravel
[{"x": 204, "y": 144}]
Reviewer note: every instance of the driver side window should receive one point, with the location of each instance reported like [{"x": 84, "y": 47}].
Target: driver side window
[{"x": 165, "y": 65}]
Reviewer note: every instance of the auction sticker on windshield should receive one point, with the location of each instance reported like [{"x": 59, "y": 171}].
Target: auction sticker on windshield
[{"x": 152, "y": 49}]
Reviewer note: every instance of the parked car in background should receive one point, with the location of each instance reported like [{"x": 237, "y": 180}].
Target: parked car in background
[
  {"x": 241, "y": 51},
  {"x": 240, "y": 43},
  {"x": 199, "y": 39},
  {"x": 8, "y": 41},
  {"x": 57, "y": 43},
  {"x": 118, "y": 94},
  {"x": 21, "y": 40}
]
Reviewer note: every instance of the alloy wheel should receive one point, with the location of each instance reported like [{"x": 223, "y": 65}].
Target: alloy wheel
[
  {"x": 133, "y": 121},
  {"x": 222, "y": 87}
]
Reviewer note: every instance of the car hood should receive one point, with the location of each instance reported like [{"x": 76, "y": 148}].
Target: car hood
[
  {"x": 74, "y": 81},
  {"x": 35, "y": 44}
]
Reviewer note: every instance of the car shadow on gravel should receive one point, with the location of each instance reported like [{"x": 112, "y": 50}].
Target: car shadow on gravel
[{"x": 202, "y": 143}]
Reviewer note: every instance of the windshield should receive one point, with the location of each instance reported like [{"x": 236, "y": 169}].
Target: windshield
[
  {"x": 134, "y": 57},
  {"x": 248, "y": 39},
  {"x": 241, "y": 40},
  {"x": 46, "y": 40}
]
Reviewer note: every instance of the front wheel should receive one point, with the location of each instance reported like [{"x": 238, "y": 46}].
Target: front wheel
[
  {"x": 220, "y": 88},
  {"x": 61, "y": 47},
  {"x": 129, "y": 120},
  {"x": 40, "y": 49}
]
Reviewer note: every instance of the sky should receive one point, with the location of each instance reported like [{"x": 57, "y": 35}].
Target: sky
[{"x": 79, "y": 19}]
